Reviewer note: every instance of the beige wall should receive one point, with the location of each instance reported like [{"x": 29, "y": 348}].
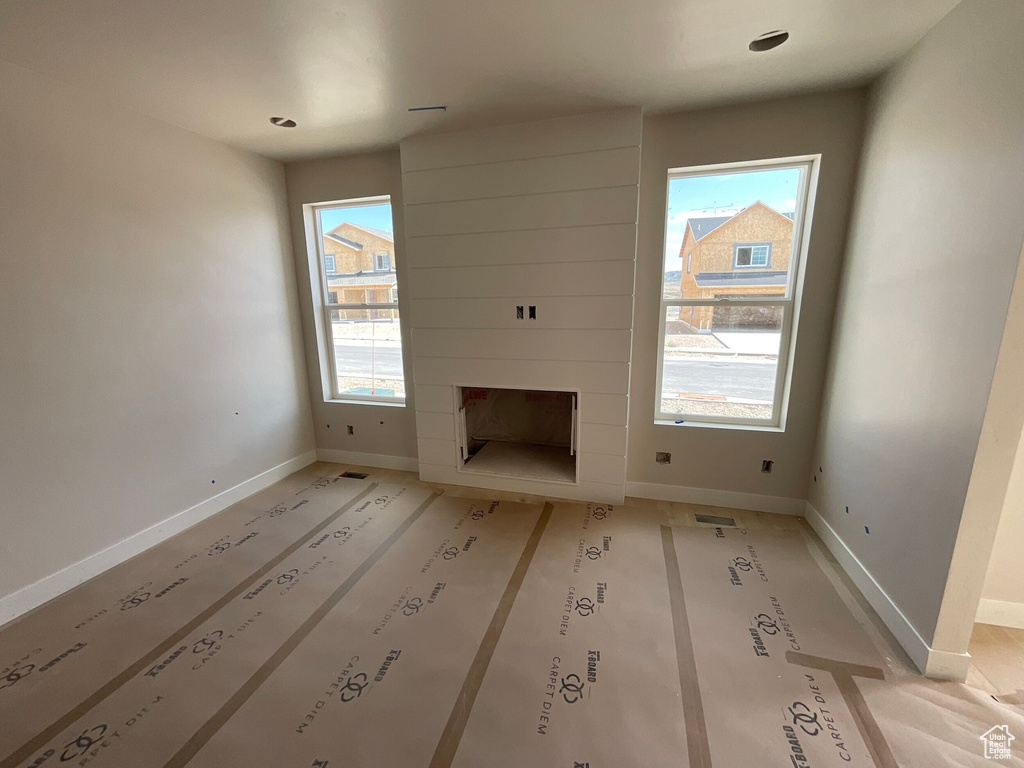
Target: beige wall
[
  {"x": 379, "y": 429},
  {"x": 941, "y": 187},
  {"x": 1004, "y": 580},
  {"x": 147, "y": 295},
  {"x": 730, "y": 459}
]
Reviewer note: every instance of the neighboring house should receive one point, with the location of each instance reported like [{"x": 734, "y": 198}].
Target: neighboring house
[
  {"x": 360, "y": 268},
  {"x": 746, "y": 254}
]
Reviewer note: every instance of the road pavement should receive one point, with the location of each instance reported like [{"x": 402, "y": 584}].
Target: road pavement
[{"x": 754, "y": 380}]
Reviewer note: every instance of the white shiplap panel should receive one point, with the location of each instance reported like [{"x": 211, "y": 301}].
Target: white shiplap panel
[
  {"x": 539, "y": 214},
  {"x": 515, "y": 344},
  {"x": 603, "y": 438},
  {"x": 598, "y": 408},
  {"x": 612, "y": 205},
  {"x": 603, "y": 378},
  {"x": 607, "y": 242},
  {"x": 544, "y": 138},
  {"x": 587, "y": 170},
  {"x": 434, "y": 399},
  {"x": 437, "y": 451},
  {"x": 602, "y": 468},
  {"x": 610, "y": 312},
  {"x": 602, "y": 278},
  {"x": 436, "y": 426}
]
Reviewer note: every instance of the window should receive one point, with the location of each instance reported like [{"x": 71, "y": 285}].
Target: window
[
  {"x": 728, "y": 314},
  {"x": 361, "y": 337},
  {"x": 382, "y": 262},
  {"x": 752, "y": 255}
]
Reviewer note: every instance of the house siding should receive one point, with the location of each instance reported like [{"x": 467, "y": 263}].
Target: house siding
[{"x": 715, "y": 253}]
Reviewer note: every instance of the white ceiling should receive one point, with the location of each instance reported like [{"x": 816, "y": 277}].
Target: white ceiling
[{"x": 347, "y": 70}]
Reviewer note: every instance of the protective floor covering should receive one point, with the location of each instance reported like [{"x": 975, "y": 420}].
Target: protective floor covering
[{"x": 331, "y": 622}]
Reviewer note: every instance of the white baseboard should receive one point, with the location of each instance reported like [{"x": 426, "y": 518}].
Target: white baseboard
[
  {"x": 945, "y": 665},
  {"x": 716, "y": 498},
  {"x": 49, "y": 587},
  {"x": 1001, "y": 613},
  {"x": 380, "y": 460}
]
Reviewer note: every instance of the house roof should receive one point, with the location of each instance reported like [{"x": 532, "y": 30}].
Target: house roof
[
  {"x": 705, "y": 225},
  {"x": 333, "y": 234},
  {"x": 362, "y": 278},
  {"x": 344, "y": 241},
  {"x": 737, "y": 279},
  {"x": 373, "y": 231}
]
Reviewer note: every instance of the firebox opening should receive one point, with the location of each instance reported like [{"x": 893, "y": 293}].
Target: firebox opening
[{"x": 524, "y": 433}]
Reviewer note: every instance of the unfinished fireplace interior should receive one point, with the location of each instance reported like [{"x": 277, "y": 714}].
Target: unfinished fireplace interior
[{"x": 524, "y": 433}]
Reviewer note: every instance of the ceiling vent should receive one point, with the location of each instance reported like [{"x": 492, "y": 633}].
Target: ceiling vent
[{"x": 282, "y": 122}]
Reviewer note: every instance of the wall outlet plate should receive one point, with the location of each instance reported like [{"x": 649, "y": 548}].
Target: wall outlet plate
[{"x": 662, "y": 457}]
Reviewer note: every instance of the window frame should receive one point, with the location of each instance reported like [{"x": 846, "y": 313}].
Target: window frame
[
  {"x": 324, "y": 307},
  {"x": 333, "y": 269},
  {"x": 736, "y": 256},
  {"x": 790, "y": 301},
  {"x": 381, "y": 257}
]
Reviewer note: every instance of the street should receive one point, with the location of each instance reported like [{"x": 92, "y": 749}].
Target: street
[
  {"x": 354, "y": 360},
  {"x": 750, "y": 380}
]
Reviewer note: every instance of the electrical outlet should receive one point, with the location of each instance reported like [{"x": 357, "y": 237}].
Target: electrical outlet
[
  {"x": 766, "y": 466},
  {"x": 351, "y": 429},
  {"x": 533, "y": 313},
  {"x": 519, "y": 312},
  {"x": 662, "y": 457}
]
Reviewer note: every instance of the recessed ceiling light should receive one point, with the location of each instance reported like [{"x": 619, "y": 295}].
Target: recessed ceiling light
[
  {"x": 769, "y": 40},
  {"x": 282, "y": 122}
]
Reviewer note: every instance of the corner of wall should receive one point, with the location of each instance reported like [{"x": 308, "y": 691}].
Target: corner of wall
[
  {"x": 931, "y": 662},
  {"x": 34, "y": 595}
]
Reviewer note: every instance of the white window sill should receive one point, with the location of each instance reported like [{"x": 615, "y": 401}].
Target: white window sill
[
  {"x": 719, "y": 425},
  {"x": 379, "y": 403}
]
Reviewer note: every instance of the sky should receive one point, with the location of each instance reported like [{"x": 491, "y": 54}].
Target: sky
[
  {"x": 721, "y": 195},
  {"x": 376, "y": 216}
]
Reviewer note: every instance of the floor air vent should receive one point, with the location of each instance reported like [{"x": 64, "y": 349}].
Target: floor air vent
[{"x": 355, "y": 475}]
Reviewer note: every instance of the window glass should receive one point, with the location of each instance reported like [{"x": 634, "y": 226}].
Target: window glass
[
  {"x": 364, "y": 338},
  {"x": 731, "y": 250},
  {"x": 718, "y": 222},
  {"x": 729, "y": 373}
]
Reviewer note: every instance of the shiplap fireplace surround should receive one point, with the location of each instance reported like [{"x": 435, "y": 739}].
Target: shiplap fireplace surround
[{"x": 538, "y": 215}]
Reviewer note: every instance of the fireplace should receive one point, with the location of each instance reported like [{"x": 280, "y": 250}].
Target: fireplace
[{"x": 520, "y": 433}]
